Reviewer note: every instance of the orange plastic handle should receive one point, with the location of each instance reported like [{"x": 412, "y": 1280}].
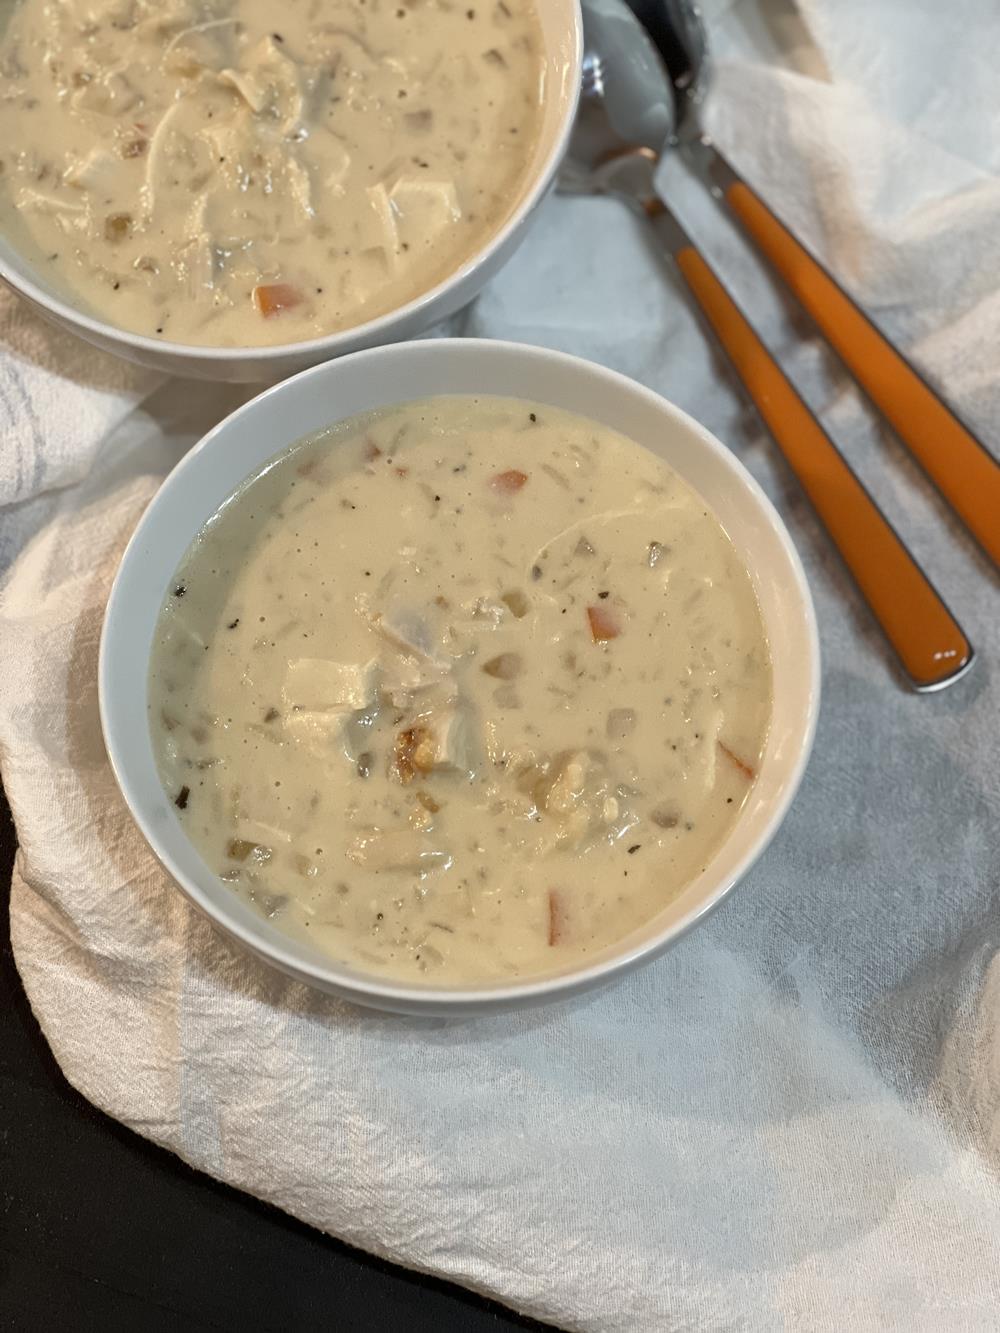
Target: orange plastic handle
[
  {"x": 927, "y": 638},
  {"x": 957, "y": 463}
]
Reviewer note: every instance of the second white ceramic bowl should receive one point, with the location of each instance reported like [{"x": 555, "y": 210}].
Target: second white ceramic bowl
[
  {"x": 381, "y": 378},
  {"x": 562, "y": 34}
]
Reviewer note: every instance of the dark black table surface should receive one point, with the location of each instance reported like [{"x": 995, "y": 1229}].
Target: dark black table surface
[{"x": 100, "y": 1230}]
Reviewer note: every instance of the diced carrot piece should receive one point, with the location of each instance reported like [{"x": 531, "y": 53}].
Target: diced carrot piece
[
  {"x": 604, "y": 624},
  {"x": 271, "y": 298},
  {"x": 557, "y": 917},
  {"x": 509, "y": 482},
  {"x": 748, "y": 772}
]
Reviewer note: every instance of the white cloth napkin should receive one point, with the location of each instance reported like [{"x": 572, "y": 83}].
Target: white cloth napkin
[{"x": 791, "y": 1120}]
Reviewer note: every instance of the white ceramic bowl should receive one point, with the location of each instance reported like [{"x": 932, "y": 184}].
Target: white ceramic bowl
[
  {"x": 380, "y": 378},
  {"x": 563, "y": 39}
]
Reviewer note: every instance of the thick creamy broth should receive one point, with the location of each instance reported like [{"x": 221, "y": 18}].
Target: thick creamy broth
[
  {"x": 467, "y": 689},
  {"x": 231, "y": 172}
]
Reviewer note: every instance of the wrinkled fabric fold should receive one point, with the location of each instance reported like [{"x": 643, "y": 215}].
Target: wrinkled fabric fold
[{"x": 791, "y": 1119}]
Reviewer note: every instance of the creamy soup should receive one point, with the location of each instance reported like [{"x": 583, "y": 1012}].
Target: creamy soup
[
  {"x": 467, "y": 689},
  {"x": 235, "y": 172}
]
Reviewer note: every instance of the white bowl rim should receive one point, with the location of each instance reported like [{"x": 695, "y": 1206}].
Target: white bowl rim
[
  {"x": 335, "y": 977},
  {"x": 326, "y": 344}
]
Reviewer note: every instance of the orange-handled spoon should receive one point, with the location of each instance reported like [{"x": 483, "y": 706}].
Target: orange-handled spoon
[
  {"x": 930, "y": 644},
  {"x": 625, "y": 114},
  {"x": 959, "y": 465}
]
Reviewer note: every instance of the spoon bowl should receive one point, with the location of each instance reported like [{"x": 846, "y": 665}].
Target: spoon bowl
[
  {"x": 627, "y": 109},
  {"x": 678, "y": 32}
]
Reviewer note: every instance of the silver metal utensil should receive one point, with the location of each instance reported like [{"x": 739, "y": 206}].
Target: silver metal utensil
[{"x": 626, "y": 109}]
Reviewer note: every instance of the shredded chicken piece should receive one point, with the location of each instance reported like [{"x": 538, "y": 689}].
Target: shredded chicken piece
[
  {"x": 406, "y": 850},
  {"x": 300, "y": 185},
  {"x": 270, "y": 78},
  {"x": 378, "y": 197},
  {"x": 262, "y": 833},
  {"x": 196, "y": 28},
  {"x": 429, "y": 205},
  {"x": 249, "y": 87},
  {"x": 66, "y": 214},
  {"x": 318, "y": 684},
  {"x": 156, "y": 154},
  {"x": 94, "y": 172}
]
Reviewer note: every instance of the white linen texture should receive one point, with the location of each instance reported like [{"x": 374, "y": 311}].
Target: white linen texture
[{"x": 792, "y": 1119}]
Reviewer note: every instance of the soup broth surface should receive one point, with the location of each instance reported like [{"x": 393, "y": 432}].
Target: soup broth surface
[
  {"x": 464, "y": 690},
  {"x": 235, "y": 172}
]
